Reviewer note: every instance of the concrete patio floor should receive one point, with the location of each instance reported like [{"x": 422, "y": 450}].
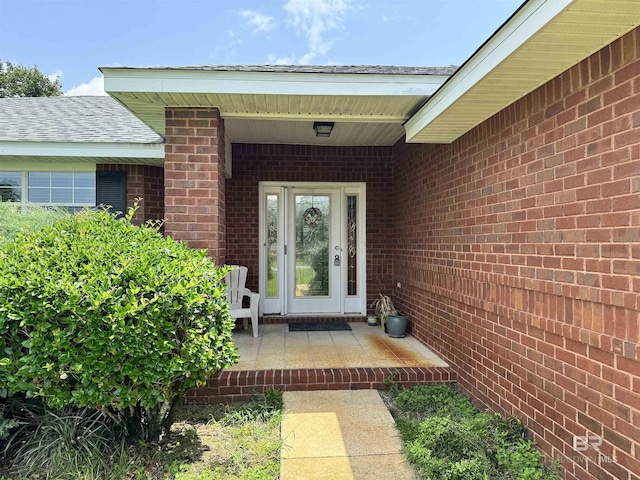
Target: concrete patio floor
[{"x": 363, "y": 346}]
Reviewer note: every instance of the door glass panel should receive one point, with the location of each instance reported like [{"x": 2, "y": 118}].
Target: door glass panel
[
  {"x": 352, "y": 245},
  {"x": 312, "y": 235},
  {"x": 272, "y": 246}
]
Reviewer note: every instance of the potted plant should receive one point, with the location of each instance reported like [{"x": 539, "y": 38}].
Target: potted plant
[{"x": 392, "y": 321}]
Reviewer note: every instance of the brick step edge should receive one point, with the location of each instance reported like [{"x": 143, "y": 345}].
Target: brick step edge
[{"x": 240, "y": 385}]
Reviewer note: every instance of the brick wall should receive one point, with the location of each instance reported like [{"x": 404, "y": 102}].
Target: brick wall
[
  {"x": 518, "y": 249},
  {"x": 296, "y": 163},
  {"x": 194, "y": 179},
  {"x": 145, "y": 182}
]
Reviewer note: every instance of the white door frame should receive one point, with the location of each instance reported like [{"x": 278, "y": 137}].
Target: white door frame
[{"x": 349, "y": 304}]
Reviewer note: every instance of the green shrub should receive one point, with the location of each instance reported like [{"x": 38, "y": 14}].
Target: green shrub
[
  {"x": 438, "y": 399},
  {"x": 449, "y": 449},
  {"x": 15, "y": 218},
  {"x": 6, "y": 424},
  {"x": 447, "y": 438},
  {"x": 96, "y": 312}
]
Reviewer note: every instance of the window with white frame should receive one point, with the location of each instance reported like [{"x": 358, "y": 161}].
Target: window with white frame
[
  {"x": 10, "y": 186},
  {"x": 72, "y": 190}
]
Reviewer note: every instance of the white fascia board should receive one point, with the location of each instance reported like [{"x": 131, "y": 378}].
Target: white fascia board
[
  {"x": 267, "y": 83},
  {"x": 82, "y": 149},
  {"x": 527, "y": 22}
]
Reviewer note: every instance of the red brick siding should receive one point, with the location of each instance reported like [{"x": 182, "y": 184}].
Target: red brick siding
[
  {"x": 518, "y": 249},
  {"x": 145, "y": 182},
  {"x": 297, "y": 163},
  {"x": 240, "y": 385},
  {"x": 194, "y": 179},
  {"x": 154, "y": 193}
]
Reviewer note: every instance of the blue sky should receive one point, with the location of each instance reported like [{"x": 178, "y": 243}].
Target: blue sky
[{"x": 71, "y": 38}]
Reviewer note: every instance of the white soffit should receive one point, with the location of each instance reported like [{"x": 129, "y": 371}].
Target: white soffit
[
  {"x": 542, "y": 40},
  {"x": 339, "y": 97},
  {"x": 292, "y": 132}
]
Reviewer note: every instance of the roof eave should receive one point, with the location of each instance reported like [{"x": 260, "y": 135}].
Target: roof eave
[
  {"x": 82, "y": 149},
  {"x": 515, "y": 61},
  {"x": 152, "y": 80}
]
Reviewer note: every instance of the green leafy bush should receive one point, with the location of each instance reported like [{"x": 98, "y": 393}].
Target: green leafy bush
[
  {"x": 15, "y": 218},
  {"x": 96, "y": 312},
  {"x": 447, "y": 438},
  {"x": 6, "y": 424},
  {"x": 438, "y": 399}
]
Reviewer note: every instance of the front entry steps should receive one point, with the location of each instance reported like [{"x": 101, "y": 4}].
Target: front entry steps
[
  {"x": 240, "y": 385},
  {"x": 362, "y": 359}
]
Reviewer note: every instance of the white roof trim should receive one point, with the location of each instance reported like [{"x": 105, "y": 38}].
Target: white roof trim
[
  {"x": 268, "y": 83},
  {"x": 84, "y": 149},
  {"x": 528, "y": 21}
]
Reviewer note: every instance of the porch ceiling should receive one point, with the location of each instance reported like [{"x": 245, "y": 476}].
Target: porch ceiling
[
  {"x": 242, "y": 130},
  {"x": 280, "y": 107},
  {"x": 542, "y": 40}
]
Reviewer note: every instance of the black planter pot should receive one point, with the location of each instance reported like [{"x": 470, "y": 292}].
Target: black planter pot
[{"x": 396, "y": 325}]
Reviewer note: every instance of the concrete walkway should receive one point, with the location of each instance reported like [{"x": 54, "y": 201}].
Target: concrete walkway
[{"x": 340, "y": 435}]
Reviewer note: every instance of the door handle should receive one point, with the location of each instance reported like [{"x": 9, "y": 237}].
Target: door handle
[{"x": 336, "y": 261}]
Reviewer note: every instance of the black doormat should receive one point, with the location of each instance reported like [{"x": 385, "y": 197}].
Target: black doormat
[{"x": 318, "y": 326}]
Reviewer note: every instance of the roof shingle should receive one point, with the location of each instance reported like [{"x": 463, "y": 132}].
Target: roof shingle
[
  {"x": 344, "y": 69},
  {"x": 71, "y": 119}
]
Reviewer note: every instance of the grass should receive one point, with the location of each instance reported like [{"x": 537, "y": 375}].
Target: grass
[
  {"x": 445, "y": 437},
  {"x": 235, "y": 442},
  {"x": 213, "y": 442}
]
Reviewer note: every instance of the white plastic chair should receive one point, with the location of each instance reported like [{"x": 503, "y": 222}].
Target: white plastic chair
[{"x": 236, "y": 291}]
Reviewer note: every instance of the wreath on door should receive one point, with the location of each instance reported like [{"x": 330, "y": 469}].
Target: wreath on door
[{"x": 312, "y": 217}]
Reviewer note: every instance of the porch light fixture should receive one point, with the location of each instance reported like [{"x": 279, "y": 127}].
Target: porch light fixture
[{"x": 322, "y": 129}]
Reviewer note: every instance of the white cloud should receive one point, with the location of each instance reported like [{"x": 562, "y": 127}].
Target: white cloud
[
  {"x": 95, "y": 86},
  {"x": 314, "y": 19},
  {"x": 275, "y": 60},
  {"x": 258, "y": 21},
  {"x": 57, "y": 75}
]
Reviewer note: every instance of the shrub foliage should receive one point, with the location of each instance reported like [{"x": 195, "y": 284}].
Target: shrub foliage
[
  {"x": 96, "y": 312},
  {"x": 446, "y": 437}
]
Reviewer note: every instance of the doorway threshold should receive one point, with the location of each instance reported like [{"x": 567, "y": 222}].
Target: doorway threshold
[{"x": 311, "y": 317}]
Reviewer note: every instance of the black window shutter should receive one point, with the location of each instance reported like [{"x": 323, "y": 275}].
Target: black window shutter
[{"x": 111, "y": 190}]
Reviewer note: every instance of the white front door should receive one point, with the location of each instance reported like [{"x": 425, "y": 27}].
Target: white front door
[
  {"x": 312, "y": 248},
  {"x": 314, "y": 251}
]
